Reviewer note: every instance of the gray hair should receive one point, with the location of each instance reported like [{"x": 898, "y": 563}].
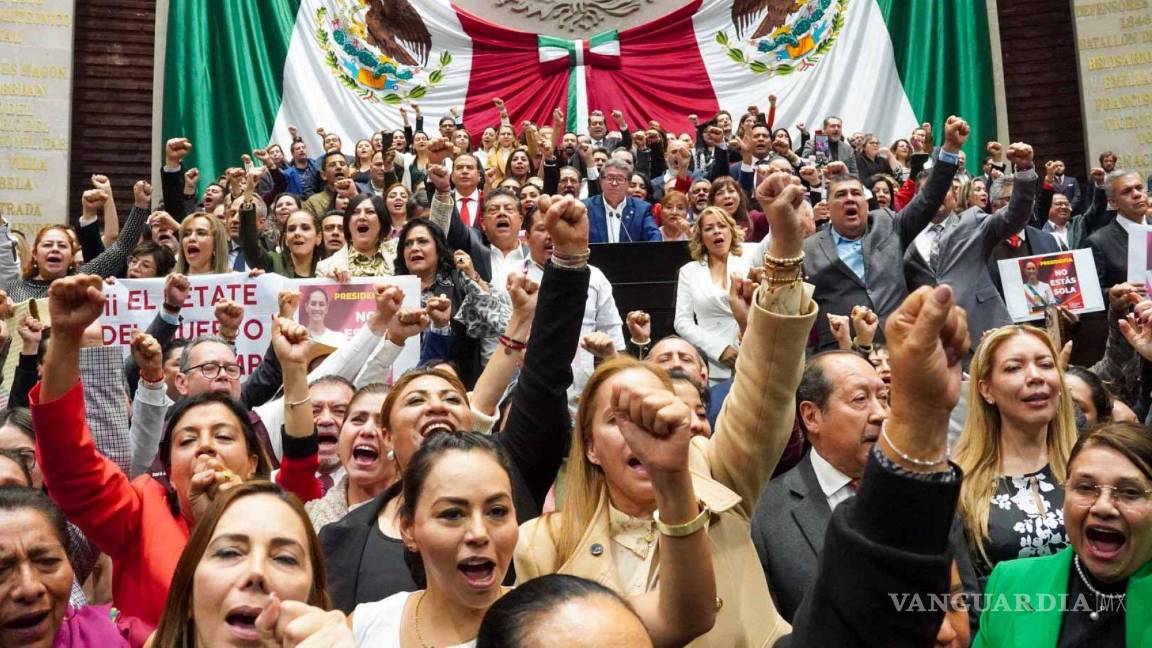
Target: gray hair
[
  {"x": 999, "y": 185},
  {"x": 185, "y": 356},
  {"x": 616, "y": 163},
  {"x": 1111, "y": 178}
]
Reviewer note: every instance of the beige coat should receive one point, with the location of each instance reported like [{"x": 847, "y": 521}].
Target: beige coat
[{"x": 729, "y": 472}]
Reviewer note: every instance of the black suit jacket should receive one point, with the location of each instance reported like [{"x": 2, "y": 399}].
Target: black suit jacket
[
  {"x": 535, "y": 438},
  {"x": 873, "y": 550},
  {"x": 1109, "y": 247},
  {"x": 790, "y": 529}
]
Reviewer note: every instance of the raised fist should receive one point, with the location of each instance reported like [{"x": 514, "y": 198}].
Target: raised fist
[
  {"x": 440, "y": 178},
  {"x": 93, "y": 199},
  {"x": 73, "y": 303},
  {"x": 956, "y": 132},
  {"x": 1020, "y": 155},
  {"x": 175, "y": 150},
  {"x": 640, "y": 326},
  {"x": 142, "y": 192}
]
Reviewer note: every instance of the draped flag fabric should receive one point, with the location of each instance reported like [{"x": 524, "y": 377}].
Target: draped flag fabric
[{"x": 237, "y": 74}]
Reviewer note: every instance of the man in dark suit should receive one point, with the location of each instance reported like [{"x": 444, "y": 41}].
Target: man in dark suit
[
  {"x": 842, "y": 405},
  {"x": 1064, "y": 184},
  {"x": 756, "y": 148},
  {"x": 616, "y": 217},
  {"x": 856, "y": 261},
  {"x": 1128, "y": 197},
  {"x": 598, "y": 130}
]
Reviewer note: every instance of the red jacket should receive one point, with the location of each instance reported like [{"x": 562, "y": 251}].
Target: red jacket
[{"x": 129, "y": 521}]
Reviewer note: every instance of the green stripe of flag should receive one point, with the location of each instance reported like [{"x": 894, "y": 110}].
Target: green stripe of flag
[
  {"x": 223, "y": 76},
  {"x": 944, "y": 57}
]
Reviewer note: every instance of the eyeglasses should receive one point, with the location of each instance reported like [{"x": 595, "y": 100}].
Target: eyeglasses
[
  {"x": 615, "y": 180},
  {"x": 1126, "y": 497},
  {"x": 212, "y": 369}
]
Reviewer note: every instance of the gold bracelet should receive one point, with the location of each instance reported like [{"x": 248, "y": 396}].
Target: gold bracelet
[
  {"x": 299, "y": 402},
  {"x": 788, "y": 262},
  {"x": 686, "y": 529}
]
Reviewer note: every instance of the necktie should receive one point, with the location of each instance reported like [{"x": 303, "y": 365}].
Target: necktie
[
  {"x": 854, "y": 484},
  {"x": 465, "y": 211},
  {"x": 326, "y": 482},
  {"x": 934, "y": 254},
  {"x": 1014, "y": 241},
  {"x": 238, "y": 262}
]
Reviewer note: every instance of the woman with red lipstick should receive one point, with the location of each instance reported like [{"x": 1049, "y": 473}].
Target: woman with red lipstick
[
  {"x": 703, "y": 315},
  {"x": 1102, "y": 585},
  {"x": 1014, "y": 448},
  {"x": 459, "y": 519},
  {"x": 203, "y": 245}
]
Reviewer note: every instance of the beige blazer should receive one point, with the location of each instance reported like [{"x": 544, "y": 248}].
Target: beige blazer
[{"x": 729, "y": 473}]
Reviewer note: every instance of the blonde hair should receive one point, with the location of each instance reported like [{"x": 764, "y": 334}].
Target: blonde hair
[
  {"x": 696, "y": 240},
  {"x": 584, "y": 482},
  {"x": 219, "y": 244},
  {"x": 979, "y": 449},
  {"x": 966, "y": 191}
]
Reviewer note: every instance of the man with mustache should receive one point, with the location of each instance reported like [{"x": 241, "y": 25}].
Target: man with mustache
[{"x": 337, "y": 178}]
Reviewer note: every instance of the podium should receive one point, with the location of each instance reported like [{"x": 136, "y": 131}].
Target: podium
[{"x": 643, "y": 277}]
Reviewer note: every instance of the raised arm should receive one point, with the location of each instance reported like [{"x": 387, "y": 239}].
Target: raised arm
[
  {"x": 508, "y": 356},
  {"x": 301, "y": 458},
  {"x": 537, "y": 432},
  {"x": 115, "y": 258},
  {"x": 90, "y": 489},
  {"x": 756, "y": 419},
  {"x": 1012, "y": 218},
  {"x": 254, "y": 254},
  {"x": 111, "y": 217},
  {"x": 924, "y": 206},
  {"x": 871, "y": 548},
  {"x": 173, "y": 177},
  {"x": 656, "y": 425},
  {"x": 150, "y": 404}
]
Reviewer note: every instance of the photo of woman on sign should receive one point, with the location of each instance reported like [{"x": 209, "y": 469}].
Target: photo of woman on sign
[{"x": 1038, "y": 293}]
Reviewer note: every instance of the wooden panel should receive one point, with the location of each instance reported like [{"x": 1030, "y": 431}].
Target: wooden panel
[
  {"x": 1040, "y": 80},
  {"x": 112, "y": 96}
]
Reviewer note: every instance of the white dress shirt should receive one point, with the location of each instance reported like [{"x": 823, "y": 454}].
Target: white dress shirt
[
  {"x": 833, "y": 483},
  {"x": 613, "y": 217},
  {"x": 1060, "y": 232}
]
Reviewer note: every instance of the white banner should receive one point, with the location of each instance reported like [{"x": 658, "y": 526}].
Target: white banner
[{"x": 133, "y": 304}]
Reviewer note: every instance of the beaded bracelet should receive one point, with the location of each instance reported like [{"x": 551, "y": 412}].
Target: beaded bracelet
[
  {"x": 925, "y": 463},
  {"x": 787, "y": 262}
]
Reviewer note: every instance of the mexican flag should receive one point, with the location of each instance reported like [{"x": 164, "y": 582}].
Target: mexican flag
[{"x": 237, "y": 74}]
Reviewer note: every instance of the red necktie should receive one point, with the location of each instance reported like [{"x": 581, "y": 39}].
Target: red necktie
[
  {"x": 326, "y": 482},
  {"x": 854, "y": 484},
  {"x": 465, "y": 212},
  {"x": 1014, "y": 241}
]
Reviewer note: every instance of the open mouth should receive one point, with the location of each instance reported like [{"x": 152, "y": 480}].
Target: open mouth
[
  {"x": 29, "y": 625},
  {"x": 327, "y": 438},
  {"x": 242, "y": 622},
  {"x": 365, "y": 456},
  {"x": 503, "y": 224},
  {"x": 437, "y": 425},
  {"x": 851, "y": 210},
  {"x": 1104, "y": 543},
  {"x": 192, "y": 249},
  {"x": 636, "y": 465},
  {"x": 415, "y": 257},
  {"x": 479, "y": 573},
  {"x": 363, "y": 228},
  {"x": 296, "y": 241}
]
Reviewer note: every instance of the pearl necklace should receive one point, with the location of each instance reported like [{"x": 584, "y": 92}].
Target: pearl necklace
[{"x": 1095, "y": 614}]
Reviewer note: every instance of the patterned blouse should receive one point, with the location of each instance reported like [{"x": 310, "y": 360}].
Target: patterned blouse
[{"x": 1026, "y": 519}]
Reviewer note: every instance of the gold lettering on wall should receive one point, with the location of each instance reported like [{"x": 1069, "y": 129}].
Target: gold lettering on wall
[
  {"x": 1114, "y": 43},
  {"x": 35, "y": 111}
]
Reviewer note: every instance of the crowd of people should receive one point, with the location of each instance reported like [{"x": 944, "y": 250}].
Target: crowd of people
[{"x": 845, "y": 442}]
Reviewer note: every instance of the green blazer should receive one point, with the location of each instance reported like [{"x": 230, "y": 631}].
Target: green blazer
[{"x": 1039, "y": 627}]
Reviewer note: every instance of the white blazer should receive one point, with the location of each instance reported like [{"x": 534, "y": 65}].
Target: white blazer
[{"x": 703, "y": 316}]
